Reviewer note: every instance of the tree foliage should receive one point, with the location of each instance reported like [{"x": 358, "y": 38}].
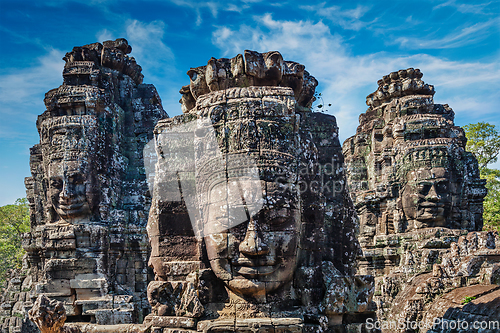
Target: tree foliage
[
  {"x": 491, "y": 203},
  {"x": 483, "y": 140},
  {"x": 14, "y": 221}
]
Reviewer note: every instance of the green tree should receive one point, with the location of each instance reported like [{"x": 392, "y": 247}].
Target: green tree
[
  {"x": 491, "y": 203},
  {"x": 14, "y": 221},
  {"x": 483, "y": 140}
]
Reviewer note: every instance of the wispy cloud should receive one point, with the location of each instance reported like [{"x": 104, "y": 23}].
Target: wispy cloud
[
  {"x": 212, "y": 6},
  {"x": 22, "y": 90},
  {"x": 156, "y": 59},
  {"x": 20, "y": 38},
  {"x": 346, "y": 79},
  {"x": 478, "y": 8},
  {"x": 104, "y": 35},
  {"x": 216, "y": 6},
  {"x": 347, "y": 18},
  {"x": 464, "y": 36},
  {"x": 282, "y": 35},
  {"x": 148, "y": 47}
]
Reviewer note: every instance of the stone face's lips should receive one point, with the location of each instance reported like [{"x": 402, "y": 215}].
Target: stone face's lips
[
  {"x": 255, "y": 271},
  {"x": 267, "y": 261},
  {"x": 72, "y": 207}
]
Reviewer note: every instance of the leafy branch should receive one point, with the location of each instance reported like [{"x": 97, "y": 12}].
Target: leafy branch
[{"x": 321, "y": 103}]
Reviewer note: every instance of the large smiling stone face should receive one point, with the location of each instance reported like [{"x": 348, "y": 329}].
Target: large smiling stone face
[
  {"x": 257, "y": 256},
  {"x": 427, "y": 197},
  {"x": 67, "y": 190},
  {"x": 68, "y": 144}
]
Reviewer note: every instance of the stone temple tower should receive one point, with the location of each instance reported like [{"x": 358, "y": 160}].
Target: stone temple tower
[
  {"x": 418, "y": 194},
  {"x": 250, "y": 225},
  {"x": 88, "y": 195}
]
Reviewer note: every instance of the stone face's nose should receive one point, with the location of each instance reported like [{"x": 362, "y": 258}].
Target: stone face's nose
[
  {"x": 253, "y": 245},
  {"x": 433, "y": 195},
  {"x": 67, "y": 191}
]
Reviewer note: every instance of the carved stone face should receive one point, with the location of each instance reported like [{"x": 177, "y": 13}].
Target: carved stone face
[
  {"x": 260, "y": 255},
  {"x": 427, "y": 197},
  {"x": 67, "y": 190}
]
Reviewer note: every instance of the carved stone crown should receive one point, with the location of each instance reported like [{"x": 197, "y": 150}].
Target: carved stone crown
[
  {"x": 425, "y": 157},
  {"x": 401, "y": 83},
  {"x": 252, "y": 69},
  {"x": 68, "y": 138}
]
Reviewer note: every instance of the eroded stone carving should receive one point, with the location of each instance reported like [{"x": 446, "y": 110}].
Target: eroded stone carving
[
  {"x": 468, "y": 267},
  {"x": 250, "y": 225},
  {"x": 72, "y": 192},
  {"x": 49, "y": 316},
  {"x": 407, "y": 167},
  {"x": 417, "y": 193},
  {"x": 250, "y": 69},
  {"x": 88, "y": 194}
]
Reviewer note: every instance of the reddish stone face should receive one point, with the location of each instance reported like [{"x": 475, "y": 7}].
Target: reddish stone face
[
  {"x": 427, "y": 197},
  {"x": 257, "y": 256}
]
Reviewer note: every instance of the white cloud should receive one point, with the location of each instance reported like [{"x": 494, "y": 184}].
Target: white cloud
[
  {"x": 22, "y": 90},
  {"x": 478, "y": 8},
  {"x": 347, "y": 18},
  {"x": 157, "y": 60},
  {"x": 104, "y": 35},
  {"x": 148, "y": 47},
  {"x": 464, "y": 36},
  {"x": 345, "y": 79},
  {"x": 214, "y": 7},
  {"x": 197, "y": 6},
  {"x": 283, "y": 35}
]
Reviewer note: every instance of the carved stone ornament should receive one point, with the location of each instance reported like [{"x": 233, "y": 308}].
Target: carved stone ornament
[
  {"x": 88, "y": 193},
  {"x": 250, "y": 226},
  {"x": 407, "y": 167},
  {"x": 239, "y": 215},
  {"x": 417, "y": 193}
]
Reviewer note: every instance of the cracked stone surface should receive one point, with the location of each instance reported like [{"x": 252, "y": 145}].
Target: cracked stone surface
[
  {"x": 419, "y": 200},
  {"x": 88, "y": 195},
  {"x": 262, "y": 235}
]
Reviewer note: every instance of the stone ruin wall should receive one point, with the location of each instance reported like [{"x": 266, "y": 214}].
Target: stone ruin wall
[{"x": 419, "y": 199}]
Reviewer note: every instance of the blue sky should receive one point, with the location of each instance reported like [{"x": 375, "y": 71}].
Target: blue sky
[{"x": 346, "y": 45}]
